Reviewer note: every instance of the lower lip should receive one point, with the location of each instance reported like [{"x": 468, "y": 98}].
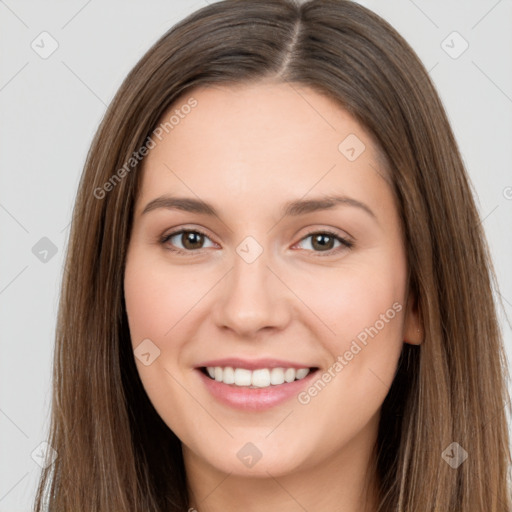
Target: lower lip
[{"x": 255, "y": 399}]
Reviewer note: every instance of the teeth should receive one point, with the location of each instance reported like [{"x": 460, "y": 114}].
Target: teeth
[
  {"x": 276, "y": 376},
  {"x": 289, "y": 375},
  {"x": 301, "y": 373},
  {"x": 228, "y": 376},
  {"x": 260, "y": 378},
  {"x": 242, "y": 376}
]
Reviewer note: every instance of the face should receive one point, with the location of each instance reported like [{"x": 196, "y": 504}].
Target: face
[{"x": 299, "y": 309}]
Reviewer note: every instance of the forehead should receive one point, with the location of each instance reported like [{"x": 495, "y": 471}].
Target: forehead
[{"x": 258, "y": 141}]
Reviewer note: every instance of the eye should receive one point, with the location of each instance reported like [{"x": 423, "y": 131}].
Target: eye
[
  {"x": 191, "y": 240},
  {"x": 322, "y": 241}
]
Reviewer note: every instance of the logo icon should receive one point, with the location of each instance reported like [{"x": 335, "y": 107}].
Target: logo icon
[
  {"x": 249, "y": 454},
  {"x": 454, "y": 455},
  {"x": 44, "y": 45},
  {"x": 44, "y": 455},
  {"x": 454, "y": 45},
  {"x": 351, "y": 147},
  {"x": 249, "y": 249},
  {"x": 44, "y": 250},
  {"x": 146, "y": 352}
]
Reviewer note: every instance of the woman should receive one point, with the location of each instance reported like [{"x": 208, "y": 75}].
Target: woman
[{"x": 266, "y": 304}]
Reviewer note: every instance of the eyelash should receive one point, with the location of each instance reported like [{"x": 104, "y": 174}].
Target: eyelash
[{"x": 345, "y": 244}]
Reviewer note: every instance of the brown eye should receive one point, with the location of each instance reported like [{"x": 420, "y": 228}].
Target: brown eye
[
  {"x": 324, "y": 242},
  {"x": 190, "y": 240}
]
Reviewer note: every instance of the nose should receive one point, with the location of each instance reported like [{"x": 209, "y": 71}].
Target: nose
[{"x": 252, "y": 298}]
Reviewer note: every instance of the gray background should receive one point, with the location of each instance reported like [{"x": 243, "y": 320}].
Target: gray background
[{"x": 50, "y": 108}]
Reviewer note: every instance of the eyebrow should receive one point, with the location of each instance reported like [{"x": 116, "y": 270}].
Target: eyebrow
[{"x": 290, "y": 209}]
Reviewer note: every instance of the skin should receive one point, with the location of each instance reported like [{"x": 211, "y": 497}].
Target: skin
[{"x": 248, "y": 149}]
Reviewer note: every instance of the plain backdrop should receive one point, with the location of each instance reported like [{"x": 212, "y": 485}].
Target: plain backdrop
[{"x": 51, "y": 105}]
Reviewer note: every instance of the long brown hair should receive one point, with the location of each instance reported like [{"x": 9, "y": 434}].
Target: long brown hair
[{"x": 114, "y": 452}]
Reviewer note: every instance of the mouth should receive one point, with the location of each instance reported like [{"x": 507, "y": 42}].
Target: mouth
[
  {"x": 253, "y": 385},
  {"x": 259, "y": 378}
]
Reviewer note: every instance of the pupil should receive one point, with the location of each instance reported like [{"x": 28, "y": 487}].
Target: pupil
[
  {"x": 189, "y": 239},
  {"x": 321, "y": 240}
]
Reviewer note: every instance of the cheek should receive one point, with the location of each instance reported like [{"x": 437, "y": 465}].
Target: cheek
[
  {"x": 145, "y": 314},
  {"x": 157, "y": 298},
  {"x": 363, "y": 306},
  {"x": 153, "y": 308},
  {"x": 352, "y": 300}
]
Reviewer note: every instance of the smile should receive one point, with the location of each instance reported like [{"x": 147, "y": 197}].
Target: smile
[
  {"x": 260, "y": 378},
  {"x": 254, "y": 385}
]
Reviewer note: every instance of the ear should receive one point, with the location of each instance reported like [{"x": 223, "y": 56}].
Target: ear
[{"x": 413, "y": 330}]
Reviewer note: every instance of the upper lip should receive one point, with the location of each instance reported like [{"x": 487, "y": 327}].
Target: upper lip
[{"x": 253, "y": 364}]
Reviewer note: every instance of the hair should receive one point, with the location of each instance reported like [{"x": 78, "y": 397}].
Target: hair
[{"x": 114, "y": 451}]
